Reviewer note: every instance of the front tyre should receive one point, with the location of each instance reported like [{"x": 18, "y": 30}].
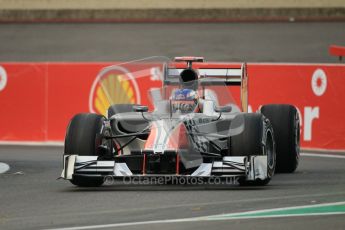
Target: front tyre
[
  {"x": 81, "y": 140},
  {"x": 256, "y": 139}
]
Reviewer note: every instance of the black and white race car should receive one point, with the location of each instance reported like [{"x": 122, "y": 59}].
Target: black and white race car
[{"x": 193, "y": 130}]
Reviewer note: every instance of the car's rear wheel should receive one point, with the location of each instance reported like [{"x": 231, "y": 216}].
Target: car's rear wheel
[
  {"x": 256, "y": 139},
  {"x": 286, "y": 126},
  {"x": 81, "y": 139}
]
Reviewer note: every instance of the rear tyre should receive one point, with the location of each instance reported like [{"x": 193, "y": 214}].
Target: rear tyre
[
  {"x": 256, "y": 139},
  {"x": 286, "y": 126},
  {"x": 120, "y": 108},
  {"x": 81, "y": 140}
]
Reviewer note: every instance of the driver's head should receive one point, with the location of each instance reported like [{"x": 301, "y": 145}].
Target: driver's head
[
  {"x": 184, "y": 100},
  {"x": 189, "y": 79}
]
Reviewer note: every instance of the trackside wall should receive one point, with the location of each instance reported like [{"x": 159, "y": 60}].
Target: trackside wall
[{"x": 37, "y": 100}]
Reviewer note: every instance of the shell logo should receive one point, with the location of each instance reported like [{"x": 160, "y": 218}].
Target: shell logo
[{"x": 113, "y": 85}]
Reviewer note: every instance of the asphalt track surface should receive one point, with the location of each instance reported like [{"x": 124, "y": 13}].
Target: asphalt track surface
[{"x": 32, "y": 198}]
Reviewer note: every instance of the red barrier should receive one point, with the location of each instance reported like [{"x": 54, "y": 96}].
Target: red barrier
[
  {"x": 23, "y": 102},
  {"x": 316, "y": 90},
  {"x": 38, "y": 99}
]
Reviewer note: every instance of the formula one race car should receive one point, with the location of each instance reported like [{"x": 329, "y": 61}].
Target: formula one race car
[{"x": 192, "y": 127}]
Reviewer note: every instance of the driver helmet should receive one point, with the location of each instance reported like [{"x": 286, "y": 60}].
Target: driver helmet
[{"x": 184, "y": 100}]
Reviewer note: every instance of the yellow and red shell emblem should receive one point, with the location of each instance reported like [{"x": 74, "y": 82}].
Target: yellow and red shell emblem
[{"x": 113, "y": 86}]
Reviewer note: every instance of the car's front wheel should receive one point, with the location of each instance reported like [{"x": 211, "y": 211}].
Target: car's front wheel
[
  {"x": 257, "y": 138},
  {"x": 81, "y": 140}
]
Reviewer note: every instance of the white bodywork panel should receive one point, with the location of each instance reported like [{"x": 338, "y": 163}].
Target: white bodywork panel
[
  {"x": 68, "y": 166},
  {"x": 121, "y": 169},
  {"x": 203, "y": 170},
  {"x": 258, "y": 168}
]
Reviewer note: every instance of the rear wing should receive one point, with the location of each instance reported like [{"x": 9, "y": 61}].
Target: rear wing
[
  {"x": 208, "y": 76},
  {"x": 215, "y": 76}
]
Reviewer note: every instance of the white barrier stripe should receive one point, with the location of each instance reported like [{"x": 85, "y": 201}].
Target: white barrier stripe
[
  {"x": 318, "y": 150},
  {"x": 323, "y": 155},
  {"x": 323, "y": 152},
  {"x": 61, "y": 143},
  {"x": 32, "y": 143}
]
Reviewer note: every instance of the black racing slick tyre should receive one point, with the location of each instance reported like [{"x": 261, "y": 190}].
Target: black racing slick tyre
[
  {"x": 257, "y": 138},
  {"x": 81, "y": 140},
  {"x": 286, "y": 126},
  {"x": 120, "y": 108}
]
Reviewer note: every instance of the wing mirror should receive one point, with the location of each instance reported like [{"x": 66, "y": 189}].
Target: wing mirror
[
  {"x": 140, "y": 108},
  {"x": 223, "y": 109}
]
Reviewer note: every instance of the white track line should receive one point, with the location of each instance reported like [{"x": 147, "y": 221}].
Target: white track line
[
  {"x": 323, "y": 155},
  {"x": 32, "y": 143},
  {"x": 66, "y": 214},
  {"x": 4, "y": 167},
  {"x": 282, "y": 209},
  {"x": 212, "y": 218},
  {"x": 278, "y": 216}
]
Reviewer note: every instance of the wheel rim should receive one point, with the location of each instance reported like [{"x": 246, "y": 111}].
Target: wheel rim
[
  {"x": 270, "y": 153},
  {"x": 297, "y": 136}
]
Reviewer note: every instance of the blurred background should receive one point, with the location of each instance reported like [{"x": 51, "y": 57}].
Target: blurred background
[
  {"x": 220, "y": 30},
  {"x": 51, "y": 53}
]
